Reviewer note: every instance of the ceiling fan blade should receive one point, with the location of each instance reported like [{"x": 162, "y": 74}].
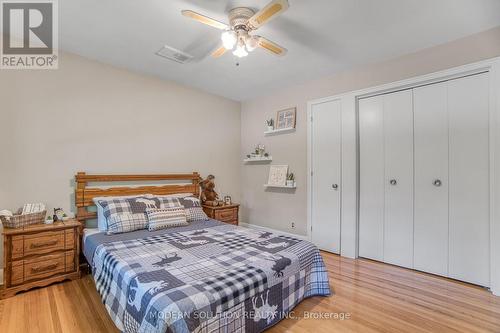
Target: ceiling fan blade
[
  {"x": 219, "y": 52},
  {"x": 272, "y": 47},
  {"x": 205, "y": 20},
  {"x": 273, "y": 9}
]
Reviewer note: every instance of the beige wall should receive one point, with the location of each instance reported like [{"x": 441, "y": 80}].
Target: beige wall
[
  {"x": 278, "y": 209},
  {"x": 92, "y": 117}
]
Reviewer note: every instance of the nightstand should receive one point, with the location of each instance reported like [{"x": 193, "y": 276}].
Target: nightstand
[
  {"x": 226, "y": 213},
  {"x": 40, "y": 254}
]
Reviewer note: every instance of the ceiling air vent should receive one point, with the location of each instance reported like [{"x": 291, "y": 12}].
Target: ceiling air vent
[{"x": 174, "y": 55}]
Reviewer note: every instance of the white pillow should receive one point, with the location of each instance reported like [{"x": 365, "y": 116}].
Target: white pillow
[
  {"x": 166, "y": 218},
  {"x": 102, "y": 223}
]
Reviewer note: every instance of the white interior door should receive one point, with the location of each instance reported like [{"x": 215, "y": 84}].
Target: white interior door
[
  {"x": 371, "y": 178},
  {"x": 398, "y": 221},
  {"x": 468, "y": 110},
  {"x": 431, "y": 178},
  {"x": 326, "y": 175}
]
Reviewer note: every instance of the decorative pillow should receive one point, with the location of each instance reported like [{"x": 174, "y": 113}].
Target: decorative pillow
[
  {"x": 114, "y": 206},
  {"x": 168, "y": 201},
  {"x": 126, "y": 222},
  {"x": 102, "y": 222},
  {"x": 194, "y": 211},
  {"x": 141, "y": 204},
  {"x": 166, "y": 218}
]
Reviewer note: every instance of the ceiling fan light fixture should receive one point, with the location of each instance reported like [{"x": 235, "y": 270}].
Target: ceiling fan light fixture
[
  {"x": 252, "y": 42},
  {"x": 240, "y": 51},
  {"x": 237, "y": 35},
  {"x": 229, "y": 39}
]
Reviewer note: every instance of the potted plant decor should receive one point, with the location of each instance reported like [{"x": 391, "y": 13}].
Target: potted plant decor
[
  {"x": 49, "y": 220},
  {"x": 290, "y": 180}
]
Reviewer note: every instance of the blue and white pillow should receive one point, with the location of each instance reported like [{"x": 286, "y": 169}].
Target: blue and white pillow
[
  {"x": 110, "y": 207},
  {"x": 194, "y": 211},
  {"x": 126, "y": 222},
  {"x": 102, "y": 221}
]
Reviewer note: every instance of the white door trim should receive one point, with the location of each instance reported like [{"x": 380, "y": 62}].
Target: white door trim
[
  {"x": 349, "y": 104},
  {"x": 495, "y": 177}
]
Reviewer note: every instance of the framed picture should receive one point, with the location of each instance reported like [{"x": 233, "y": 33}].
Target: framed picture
[
  {"x": 286, "y": 118},
  {"x": 277, "y": 175},
  {"x": 227, "y": 200}
]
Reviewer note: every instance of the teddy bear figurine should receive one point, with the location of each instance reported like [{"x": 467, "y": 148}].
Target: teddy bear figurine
[{"x": 208, "y": 195}]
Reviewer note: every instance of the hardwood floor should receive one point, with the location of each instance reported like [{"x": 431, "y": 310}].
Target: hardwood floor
[{"x": 377, "y": 297}]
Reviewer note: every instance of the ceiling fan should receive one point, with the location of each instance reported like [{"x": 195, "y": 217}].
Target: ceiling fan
[{"x": 237, "y": 35}]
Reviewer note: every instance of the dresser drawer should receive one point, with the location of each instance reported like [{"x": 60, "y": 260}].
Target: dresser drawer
[
  {"x": 226, "y": 215},
  {"x": 42, "y": 267},
  {"x": 41, "y": 243}
]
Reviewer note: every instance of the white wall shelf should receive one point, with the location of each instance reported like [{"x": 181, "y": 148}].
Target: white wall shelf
[
  {"x": 279, "y": 186},
  {"x": 280, "y": 131},
  {"x": 258, "y": 159}
]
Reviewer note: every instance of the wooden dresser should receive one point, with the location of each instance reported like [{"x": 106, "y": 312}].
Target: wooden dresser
[
  {"x": 40, "y": 254},
  {"x": 226, "y": 213}
]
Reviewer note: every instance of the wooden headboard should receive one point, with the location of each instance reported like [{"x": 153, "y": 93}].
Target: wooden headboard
[{"x": 185, "y": 183}]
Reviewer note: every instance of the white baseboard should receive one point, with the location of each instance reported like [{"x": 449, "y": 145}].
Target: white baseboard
[
  {"x": 274, "y": 231},
  {"x": 495, "y": 292}
]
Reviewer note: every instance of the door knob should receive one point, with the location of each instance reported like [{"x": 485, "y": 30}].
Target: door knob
[
  {"x": 437, "y": 183},
  {"x": 393, "y": 182},
  {"x": 335, "y": 186}
]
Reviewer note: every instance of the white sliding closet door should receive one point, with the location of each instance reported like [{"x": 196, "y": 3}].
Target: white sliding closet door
[
  {"x": 431, "y": 178},
  {"x": 424, "y": 178},
  {"x": 371, "y": 178},
  {"x": 326, "y": 176},
  {"x": 468, "y": 109},
  {"x": 398, "y": 224}
]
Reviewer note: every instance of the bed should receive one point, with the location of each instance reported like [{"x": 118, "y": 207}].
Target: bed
[{"x": 205, "y": 277}]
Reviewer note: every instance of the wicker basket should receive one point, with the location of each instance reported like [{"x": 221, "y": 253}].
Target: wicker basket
[{"x": 19, "y": 220}]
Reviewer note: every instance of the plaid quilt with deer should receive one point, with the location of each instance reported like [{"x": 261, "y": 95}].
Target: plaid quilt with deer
[{"x": 208, "y": 277}]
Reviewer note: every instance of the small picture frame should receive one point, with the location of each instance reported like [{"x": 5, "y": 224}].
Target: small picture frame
[
  {"x": 286, "y": 118},
  {"x": 277, "y": 175},
  {"x": 227, "y": 200}
]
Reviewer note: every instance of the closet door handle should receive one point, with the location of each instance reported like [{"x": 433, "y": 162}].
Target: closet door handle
[
  {"x": 393, "y": 182},
  {"x": 335, "y": 186},
  {"x": 437, "y": 182}
]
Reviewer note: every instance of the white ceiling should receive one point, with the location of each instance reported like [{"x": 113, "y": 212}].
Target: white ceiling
[{"x": 322, "y": 37}]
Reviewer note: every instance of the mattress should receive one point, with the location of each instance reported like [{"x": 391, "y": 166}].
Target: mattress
[
  {"x": 92, "y": 237},
  {"x": 205, "y": 277}
]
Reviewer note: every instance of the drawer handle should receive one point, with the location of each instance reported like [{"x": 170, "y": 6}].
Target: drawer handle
[
  {"x": 43, "y": 268},
  {"x": 39, "y": 245}
]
